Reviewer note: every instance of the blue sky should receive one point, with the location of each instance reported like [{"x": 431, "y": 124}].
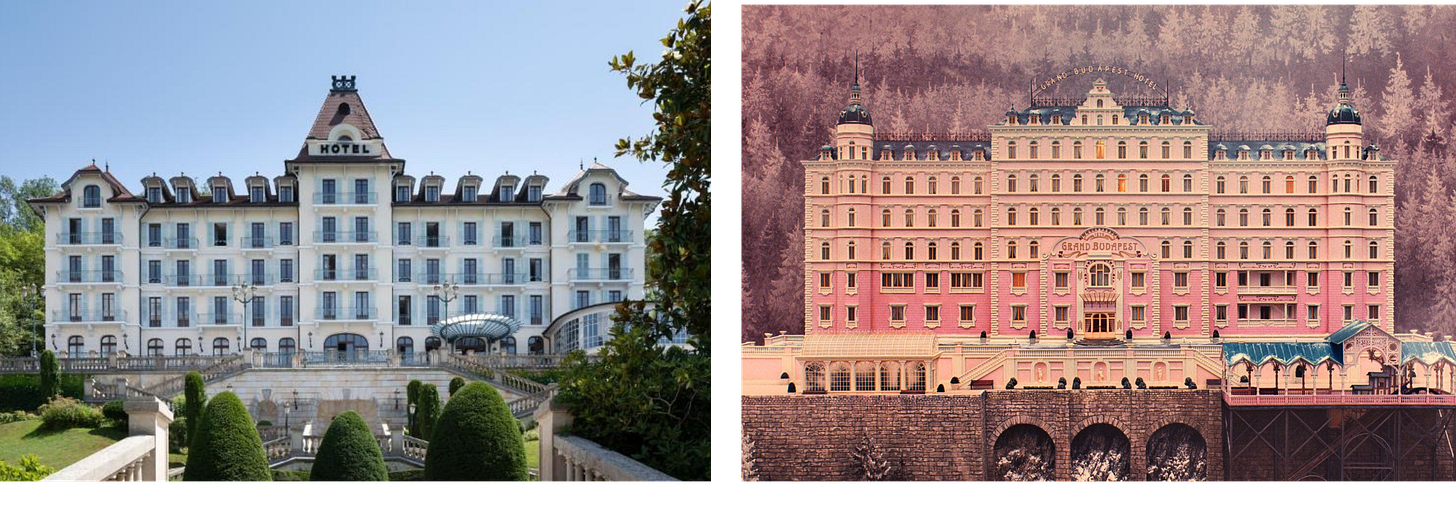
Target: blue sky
[{"x": 452, "y": 86}]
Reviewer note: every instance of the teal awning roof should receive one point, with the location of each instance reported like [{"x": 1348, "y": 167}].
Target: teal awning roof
[
  {"x": 1427, "y": 352},
  {"x": 1339, "y": 337},
  {"x": 1282, "y": 352}
]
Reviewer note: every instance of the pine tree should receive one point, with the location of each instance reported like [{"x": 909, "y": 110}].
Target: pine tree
[
  {"x": 1434, "y": 111},
  {"x": 1369, "y": 31},
  {"x": 1398, "y": 103},
  {"x": 870, "y": 460},
  {"x": 787, "y": 297},
  {"x": 750, "y": 460},
  {"x": 1443, "y": 252}
]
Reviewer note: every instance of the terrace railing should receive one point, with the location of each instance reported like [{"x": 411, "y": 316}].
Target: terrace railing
[{"x": 140, "y": 457}]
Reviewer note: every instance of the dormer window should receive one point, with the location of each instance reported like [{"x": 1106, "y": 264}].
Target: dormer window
[
  {"x": 184, "y": 195},
  {"x": 1142, "y": 118},
  {"x": 285, "y": 193},
  {"x": 1243, "y": 154},
  {"x": 508, "y": 193},
  {"x": 219, "y": 194},
  {"x": 257, "y": 194},
  {"x": 92, "y": 197},
  {"x": 1266, "y": 154},
  {"x": 1057, "y": 118},
  {"x": 432, "y": 193},
  {"x": 598, "y": 194},
  {"x": 1289, "y": 154},
  {"x": 1099, "y": 102},
  {"x": 1220, "y": 154},
  {"x": 154, "y": 195},
  {"x": 1311, "y": 154},
  {"x": 1165, "y": 120},
  {"x": 1114, "y": 119},
  {"x": 467, "y": 194},
  {"x": 533, "y": 193},
  {"x": 402, "y": 193}
]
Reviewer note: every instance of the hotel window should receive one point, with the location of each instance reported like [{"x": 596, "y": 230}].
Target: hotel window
[
  {"x": 850, "y": 316},
  {"x": 1218, "y": 218},
  {"x": 598, "y": 194},
  {"x": 909, "y": 218},
  {"x": 909, "y": 186},
  {"x": 1011, "y": 150},
  {"x": 1289, "y": 184},
  {"x": 1121, "y": 183},
  {"x": 1018, "y": 280},
  {"x": 850, "y": 215},
  {"x": 1143, "y": 183},
  {"x": 1033, "y": 150},
  {"x": 1374, "y": 251},
  {"x": 824, "y": 311},
  {"x": 1374, "y": 279},
  {"x": 1143, "y": 216},
  {"x": 977, "y": 186},
  {"x": 1218, "y": 184},
  {"x": 1167, "y": 147},
  {"x": 1373, "y": 184},
  {"x": 955, "y": 186},
  {"x": 1312, "y": 281},
  {"x": 1268, "y": 250},
  {"x": 1101, "y": 275},
  {"x": 1076, "y": 182},
  {"x": 285, "y": 193},
  {"x": 849, "y": 281},
  {"x": 930, "y": 251},
  {"x": 1348, "y": 250},
  {"x": 1077, "y": 216},
  {"x": 1374, "y": 312},
  {"x": 955, "y": 218},
  {"x": 1180, "y": 279},
  {"x": 1243, "y": 185},
  {"x": 1011, "y": 183},
  {"x": 154, "y": 235},
  {"x": 885, "y": 186},
  {"x": 1011, "y": 216},
  {"x": 1180, "y": 314},
  {"x": 929, "y": 218},
  {"x": 1312, "y": 313},
  {"x": 1219, "y": 250},
  {"x": 1313, "y": 183},
  {"x": 154, "y": 195},
  {"x": 1167, "y": 183},
  {"x": 1187, "y": 216},
  {"x": 1243, "y": 217},
  {"x": 1097, "y": 184},
  {"x": 1313, "y": 217},
  {"x": 929, "y": 185},
  {"x": 1374, "y": 217},
  {"x": 1018, "y": 314},
  {"x": 824, "y": 185},
  {"x": 824, "y": 280},
  {"x": 1187, "y": 248},
  {"x": 1349, "y": 217},
  {"x": 1243, "y": 250},
  {"x": 1349, "y": 280},
  {"x": 1139, "y": 313},
  {"x": 1011, "y": 250},
  {"x": 885, "y": 255},
  {"x": 1143, "y": 150},
  {"x": 824, "y": 251},
  {"x": 1289, "y": 250},
  {"x": 1268, "y": 217},
  {"x": 932, "y": 315},
  {"x": 1289, "y": 217},
  {"x": 1220, "y": 279},
  {"x": 909, "y": 251},
  {"x": 976, "y": 251},
  {"x": 1121, "y": 216},
  {"x": 1121, "y": 149},
  {"x": 1349, "y": 312},
  {"x": 1061, "y": 280},
  {"x": 885, "y": 218},
  {"x": 1057, "y": 145},
  {"x": 1187, "y": 150},
  {"x": 850, "y": 248},
  {"x": 1033, "y": 183},
  {"x": 955, "y": 250},
  {"x": 1166, "y": 247},
  {"x": 1268, "y": 185},
  {"x": 1035, "y": 249},
  {"x": 1056, "y": 216},
  {"x": 824, "y": 219},
  {"x": 219, "y": 234},
  {"x": 1187, "y": 183},
  {"x": 897, "y": 314},
  {"x": 1167, "y": 216},
  {"x": 1097, "y": 217},
  {"x": 256, "y": 194},
  {"x": 432, "y": 193}
]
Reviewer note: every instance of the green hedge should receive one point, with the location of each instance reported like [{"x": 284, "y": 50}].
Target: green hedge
[
  {"x": 196, "y": 396},
  {"x": 115, "y": 410},
  {"x": 290, "y": 476},
  {"x": 62, "y": 413},
  {"x": 407, "y": 475},
  {"x": 22, "y": 391},
  {"x": 476, "y": 438},
  {"x": 455, "y": 384},
  {"x": 427, "y": 411},
  {"x": 226, "y": 446},
  {"x": 349, "y": 452}
]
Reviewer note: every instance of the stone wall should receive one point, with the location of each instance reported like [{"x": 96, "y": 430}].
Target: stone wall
[{"x": 949, "y": 437}]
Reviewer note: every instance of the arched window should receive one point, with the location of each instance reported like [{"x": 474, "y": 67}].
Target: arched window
[
  {"x": 1268, "y": 250},
  {"x": 182, "y": 347},
  {"x": 1187, "y": 216},
  {"x": 1101, "y": 146},
  {"x": 955, "y": 185},
  {"x": 1121, "y": 150},
  {"x": 1100, "y": 275},
  {"x": 824, "y": 185},
  {"x": 1187, "y": 248},
  {"x": 976, "y": 186},
  {"x": 930, "y": 251},
  {"x": 1011, "y": 216},
  {"x": 915, "y": 376},
  {"x": 1143, "y": 150},
  {"x": 1374, "y": 185},
  {"x": 864, "y": 376},
  {"x": 909, "y": 251},
  {"x": 851, "y": 184},
  {"x": 1289, "y": 217},
  {"x": 1374, "y": 217},
  {"x": 1121, "y": 216},
  {"x": 1033, "y": 216},
  {"x": 1243, "y": 217},
  {"x": 1348, "y": 250},
  {"x": 814, "y": 377},
  {"x": 1166, "y": 249},
  {"x": 1032, "y": 148},
  {"x": 108, "y": 342},
  {"x": 1187, "y": 183},
  {"x": 1313, "y": 217},
  {"x": 824, "y": 251},
  {"x": 1167, "y": 183},
  {"x": 1011, "y": 150},
  {"x": 1097, "y": 184},
  {"x": 909, "y": 186},
  {"x": 1218, "y": 185},
  {"x": 1267, "y": 217},
  {"x": 976, "y": 218},
  {"x": 1121, "y": 183},
  {"x": 1219, "y": 250},
  {"x": 1077, "y": 145},
  {"x": 1243, "y": 185},
  {"x": 1056, "y": 216},
  {"x": 889, "y": 376},
  {"x": 259, "y": 343},
  {"x": 885, "y": 218},
  {"x": 1288, "y": 250},
  {"x": 1167, "y": 150},
  {"x": 850, "y": 215},
  {"x": 850, "y": 249},
  {"x": 1288, "y": 184},
  {"x": 287, "y": 346},
  {"x": 1143, "y": 216},
  {"x": 955, "y": 250},
  {"x": 885, "y": 251},
  {"x": 1056, "y": 183},
  {"x": 955, "y": 218},
  {"x": 1313, "y": 251},
  {"x": 1218, "y": 218},
  {"x": 1032, "y": 183},
  {"x": 1243, "y": 250},
  {"x": 1076, "y": 182},
  {"x": 154, "y": 348},
  {"x": 884, "y": 186},
  {"x": 824, "y": 218},
  {"x": 1034, "y": 249},
  {"x": 220, "y": 346},
  {"x": 1098, "y": 219},
  {"x": 1374, "y": 251},
  {"x": 1349, "y": 221},
  {"x": 1313, "y": 184},
  {"x": 930, "y": 185},
  {"x": 1268, "y": 185},
  {"x": 599, "y": 194},
  {"x": 1077, "y": 216},
  {"x": 1187, "y": 150},
  {"x": 978, "y": 251},
  {"x": 1167, "y": 215},
  {"x": 909, "y": 218},
  {"x": 1011, "y": 183},
  {"x": 92, "y": 197},
  {"x": 1011, "y": 250},
  {"x": 75, "y": 345}
]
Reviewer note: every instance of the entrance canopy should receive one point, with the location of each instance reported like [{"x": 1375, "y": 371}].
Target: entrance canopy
[{"x": 491, "y": 327}]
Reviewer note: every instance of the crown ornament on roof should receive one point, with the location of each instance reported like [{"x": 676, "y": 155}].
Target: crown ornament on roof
[{"x": 342, "y": 83}]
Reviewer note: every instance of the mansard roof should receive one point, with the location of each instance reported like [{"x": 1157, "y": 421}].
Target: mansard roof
[{"x": 119, "y": 192}]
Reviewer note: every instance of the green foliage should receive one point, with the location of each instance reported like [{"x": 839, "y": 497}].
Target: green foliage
[
  {"x": 115, "y": 411},
  {"x": 412, "y": 397},
  {"x": 407, "y": 475},
  {"x": 196, "y": 395},
  {"x": 545, "y": 376},
  {"x": 291, "y": 476},
  {"x": 177, "y": 434},
  {"x": 29, "y": 470},
  {"x": 50, "y": 375},
  {"x": 427, "y": 411},
  {"x": 226, "y": 446},
  {"x": 455, "y": 384},
  {"x": 62, "y": 413},
  {"x": 478, "y": 439},
  {"x": 22, "y": 391},
  {"x": 349, "y": 452},
  {"x": 16, "y": 416},
  {"x": 680, "y": 86}
]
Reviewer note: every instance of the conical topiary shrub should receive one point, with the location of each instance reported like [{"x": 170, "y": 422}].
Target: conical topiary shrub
[
  {"x": 227, "y": 446},
  {"x": 349, "y": 452},
  {"x": 476, "y": 438}
]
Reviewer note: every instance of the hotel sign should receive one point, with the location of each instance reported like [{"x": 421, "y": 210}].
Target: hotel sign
[
  {"x": 1098, "y": 239},
  {"x": 343, "y": 148}
]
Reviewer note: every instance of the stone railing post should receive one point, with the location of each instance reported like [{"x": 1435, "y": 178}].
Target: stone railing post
[
  {"x": 295, "y": 440},
  {"x": 550, "y": 419},
  {"x": 396, "y": 442},
  {"x": 150, "y": 416},
  {"x": 121, "y": 388},
  {"x": 90, "y": 388}
]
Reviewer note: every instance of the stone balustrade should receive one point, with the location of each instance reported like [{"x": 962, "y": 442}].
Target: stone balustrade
[
  {"x": 574, "y": 459},
  {"x": 140, "y": 457}
]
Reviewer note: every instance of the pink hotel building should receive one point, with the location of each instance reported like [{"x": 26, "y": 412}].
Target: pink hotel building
[{"x": 1100, "y": 218}]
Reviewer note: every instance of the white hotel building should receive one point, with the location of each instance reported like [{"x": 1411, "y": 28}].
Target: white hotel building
[{"x": 345, "y": 249}]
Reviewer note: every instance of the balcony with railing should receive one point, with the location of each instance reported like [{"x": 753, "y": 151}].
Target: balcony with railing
[
  {"x": 182, "y": 280},
  {"x": 349, "y": 198},
  {"x": 97, "y": 238},
  {"x": 87, "y": 316},
  {"x": 89, "y": 276},
  {"x": 345, "y": 237},
  {"x": 228, "y": 280},
  {"x": 342, "y": 313},
  {"x": 180, "y": 243},
  {"x": 256, "y": 242},
  {"x": 504, "y": 241},
  {"x": 345, "y": 274},
  {"x": 427, "y": 242},
  {"x": 599, "y": 274},
  {"x": 219, "y": 319},
  {"x": 1270, "y": 290},
  {"x": 605, "y": 236}
]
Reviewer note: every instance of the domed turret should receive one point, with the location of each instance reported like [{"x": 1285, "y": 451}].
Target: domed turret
[
  {"x": 1344, "y": 136},
  {"x": 855, "y": 113},
  {"x": 854, "y": 135},
  {"x": 1344, "y": 112}
]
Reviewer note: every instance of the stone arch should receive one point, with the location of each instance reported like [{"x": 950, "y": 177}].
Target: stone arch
[
  {"x": 1176, "y": 451},
  {"x": 1101, "y": 451},
  {"x": 1023, "y": 452},
  {"x": 1100, "y": 419},
  {"x": 1023, "y": 420},
  {"x": 1175, "y": 420}
]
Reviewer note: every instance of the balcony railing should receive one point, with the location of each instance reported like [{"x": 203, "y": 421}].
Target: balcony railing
[
  {"x": 600, "y": 236},
  {"x": 183, "y": 280},
  {"x": 508, "y": 241},
  {"x": 1275, "y": 290},
  {"x": 219, "y": 319},
  {"x": 600, "y": 274},
  {"x": 89, "y": 276},
  {"x": 181, "y": 243},
  {"x": 345, "y": 237},
  {"x": 256, "y": 242},
  {"x": 228, "y": 280},
  {"x": 341, "y": 313},
  {"x": 424, "y": 241},
  {"x": 358, "y": 198},
  {"x": 88, "y": 316},
  {"x": 112, "y": 238},
  {"x": 345, "y": 274}
]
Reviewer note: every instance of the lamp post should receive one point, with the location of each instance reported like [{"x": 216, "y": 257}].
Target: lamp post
[
  {"x": 243, "y": 293},
  {"x": 411, "y": 422},
  {"x": 295, "y": 399},
  {"x": 447, "y": 292},
  {"x": 396, "y": 399}
]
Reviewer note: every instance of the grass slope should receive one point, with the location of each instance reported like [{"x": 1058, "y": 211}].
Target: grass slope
[{"x": 54, "y": 449}]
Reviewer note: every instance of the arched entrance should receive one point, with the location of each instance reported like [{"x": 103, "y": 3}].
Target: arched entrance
[
  {"x": 1177, "y": 452},
  {"x": 1101, "y": 452},
  {"x": 1024, "y": 452},
  {"x": 347, "y": 345}
]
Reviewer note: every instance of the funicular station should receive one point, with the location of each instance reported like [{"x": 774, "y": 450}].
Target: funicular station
[{"x": 1102, "y": 288}]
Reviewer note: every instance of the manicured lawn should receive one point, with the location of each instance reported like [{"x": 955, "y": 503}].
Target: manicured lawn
[
  {"x": 54, "y": 449},
  {"x": 533, "y": 454}
]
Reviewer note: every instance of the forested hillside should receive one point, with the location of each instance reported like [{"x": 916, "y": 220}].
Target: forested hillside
[{"x": 954, "y": 68}]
